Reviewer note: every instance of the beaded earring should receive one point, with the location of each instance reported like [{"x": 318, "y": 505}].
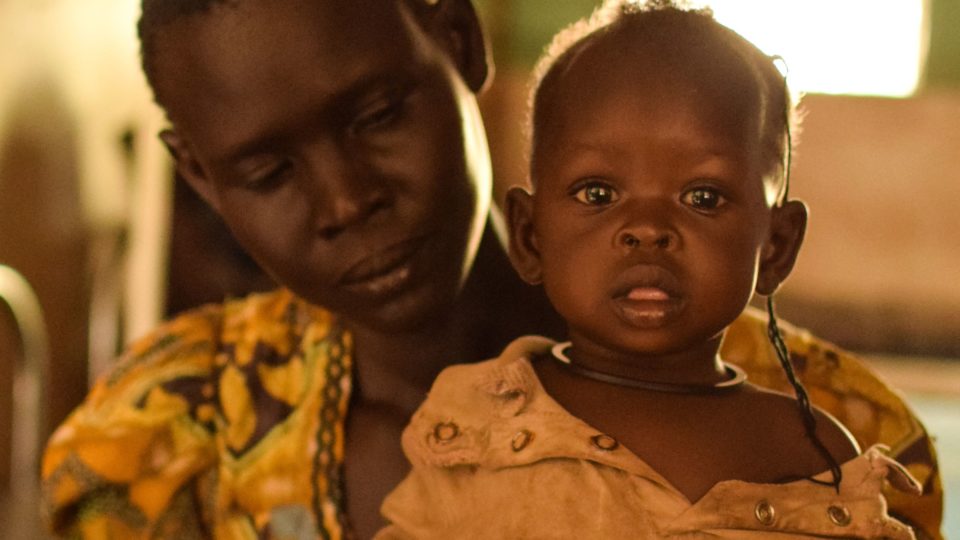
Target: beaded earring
[{"x": 776, "y": 337}]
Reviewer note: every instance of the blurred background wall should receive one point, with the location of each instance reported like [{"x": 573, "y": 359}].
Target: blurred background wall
[{"x": 92, "y": 216}]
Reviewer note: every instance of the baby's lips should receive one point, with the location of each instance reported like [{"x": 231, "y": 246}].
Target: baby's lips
[
  {"x": 648, "y": 294},
  {"x": 646, "y": 282}
]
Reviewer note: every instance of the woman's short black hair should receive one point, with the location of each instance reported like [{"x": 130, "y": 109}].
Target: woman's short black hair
[{"x": 157, "y": 14}]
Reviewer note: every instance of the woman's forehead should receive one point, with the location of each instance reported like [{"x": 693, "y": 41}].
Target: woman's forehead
[{"x": 261, "y": 49}]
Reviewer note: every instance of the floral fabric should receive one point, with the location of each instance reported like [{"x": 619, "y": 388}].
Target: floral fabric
[{"x": 226, "y": 422}]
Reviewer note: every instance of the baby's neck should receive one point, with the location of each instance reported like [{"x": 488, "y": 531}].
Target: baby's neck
[
  {"x": 694, "y": 441},
  {"x": 698, "y": 365}
]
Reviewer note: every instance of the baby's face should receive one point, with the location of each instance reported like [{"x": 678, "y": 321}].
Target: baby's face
[{"x": 649, "y": 212}]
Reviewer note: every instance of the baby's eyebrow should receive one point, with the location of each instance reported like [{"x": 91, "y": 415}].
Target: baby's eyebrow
[
  {"x": 584, "y": 149},
  {"x": 709, "y": 155}
]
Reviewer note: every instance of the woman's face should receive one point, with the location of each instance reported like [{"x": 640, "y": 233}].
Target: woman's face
[{"x": 340, "y": 144}]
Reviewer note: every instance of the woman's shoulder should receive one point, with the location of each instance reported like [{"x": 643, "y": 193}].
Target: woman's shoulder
[
  {"x": 152, "y": 418},
  {"x": 190, "y": 346}
]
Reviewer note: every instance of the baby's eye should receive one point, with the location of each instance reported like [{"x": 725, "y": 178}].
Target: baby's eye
[
  {"x": 596, "y": 194},
  {"x": 704, "y": 198}
]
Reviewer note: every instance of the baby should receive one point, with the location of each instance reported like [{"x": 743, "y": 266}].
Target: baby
[{"x": 660, "y": 153}]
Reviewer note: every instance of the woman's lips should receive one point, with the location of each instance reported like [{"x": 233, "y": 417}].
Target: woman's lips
[{"x": 385, "y": 271}]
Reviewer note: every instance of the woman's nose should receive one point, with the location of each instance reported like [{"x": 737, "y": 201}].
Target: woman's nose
[
  {"x": 348, "y": 206},
  {"x": 344, "y": 192}
]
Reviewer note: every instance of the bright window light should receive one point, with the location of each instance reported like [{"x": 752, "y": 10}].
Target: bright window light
[{"x": 864, "y": 47}]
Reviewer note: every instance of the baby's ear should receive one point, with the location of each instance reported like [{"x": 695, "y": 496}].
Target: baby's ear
[
  {"x": 788, "y": 224},
  {"x": 189, "y": 168},
  {"x": 524, "y": 253}
]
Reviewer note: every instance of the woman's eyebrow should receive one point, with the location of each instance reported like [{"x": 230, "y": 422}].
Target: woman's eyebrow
[{"x": 328, "y": 105}]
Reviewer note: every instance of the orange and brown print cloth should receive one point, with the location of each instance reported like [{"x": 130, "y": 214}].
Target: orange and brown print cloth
[{"x": 228, "y": 422}]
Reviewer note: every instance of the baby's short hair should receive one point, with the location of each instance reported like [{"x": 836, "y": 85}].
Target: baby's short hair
[{"x": 676, "y": 28}]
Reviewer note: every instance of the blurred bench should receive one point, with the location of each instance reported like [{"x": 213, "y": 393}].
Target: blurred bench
[{"x": 27, "y": 359}]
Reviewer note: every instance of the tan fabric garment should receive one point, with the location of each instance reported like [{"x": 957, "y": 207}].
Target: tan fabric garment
[{"x": 495, "y": 457}]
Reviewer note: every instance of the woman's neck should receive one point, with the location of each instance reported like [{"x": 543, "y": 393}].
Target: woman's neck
[{"x": 494, "y": 307}]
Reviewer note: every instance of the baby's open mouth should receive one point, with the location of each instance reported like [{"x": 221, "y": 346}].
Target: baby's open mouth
[{"x": 647, "y": 294}]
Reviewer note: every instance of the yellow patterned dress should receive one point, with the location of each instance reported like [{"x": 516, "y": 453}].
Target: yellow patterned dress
[{"x": 228, "y": 423}]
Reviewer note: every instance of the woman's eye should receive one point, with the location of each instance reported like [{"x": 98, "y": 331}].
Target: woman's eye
[
  {"x": 704, "y": 198},
  {"x": 267, "y": 177},
  {"x": 381, "y": 114},
  {"x": 596, "y": 194}
]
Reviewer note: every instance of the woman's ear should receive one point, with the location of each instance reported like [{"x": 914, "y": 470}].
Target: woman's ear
[
  {"x": 778, "y": 255},
  {"x": 456, "y": 26},
  {"x": 189, "y": 169},
  {"x": 524, "y": 253}
]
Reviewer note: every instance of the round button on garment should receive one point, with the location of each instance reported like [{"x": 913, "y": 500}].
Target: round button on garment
[
  {"x": 445, "y": 431},
  {"x": 839, "y": 515},
  {"x": 765, "y": 513},
  {"x": 521, "y": 440},
  {"x": 605, "y": 442}
]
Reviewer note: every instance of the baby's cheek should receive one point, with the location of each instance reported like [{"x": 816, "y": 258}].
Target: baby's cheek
[{"x": 575, "y": 297}]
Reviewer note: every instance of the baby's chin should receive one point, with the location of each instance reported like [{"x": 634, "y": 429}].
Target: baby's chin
[{"x": 648, "y": 314}]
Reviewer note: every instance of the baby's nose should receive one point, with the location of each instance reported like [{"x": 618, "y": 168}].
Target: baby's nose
[{"x": 648, "y": 236}]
